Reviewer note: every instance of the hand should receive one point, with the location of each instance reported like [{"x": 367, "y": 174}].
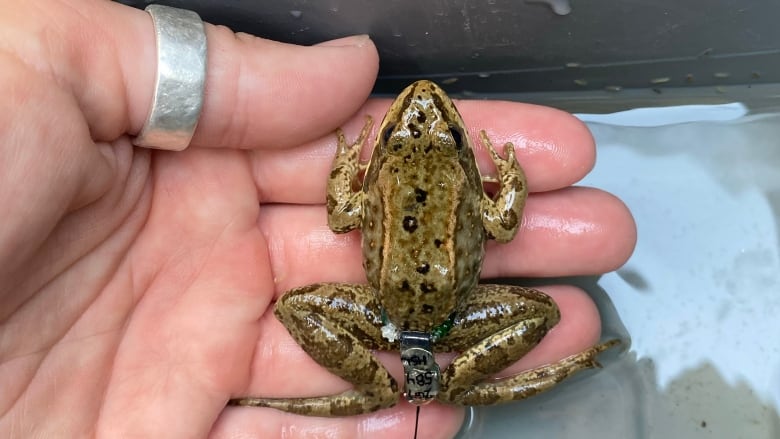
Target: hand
[{"x": 136, "y": 286}]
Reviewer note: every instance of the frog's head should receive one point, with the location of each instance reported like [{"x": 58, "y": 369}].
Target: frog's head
[{"x": 423, "y": 119}]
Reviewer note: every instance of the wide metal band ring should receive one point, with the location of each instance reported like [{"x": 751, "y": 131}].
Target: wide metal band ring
[{"x": 181, "y": 76}]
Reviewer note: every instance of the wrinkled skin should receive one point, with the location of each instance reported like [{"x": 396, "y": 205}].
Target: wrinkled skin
[{"x": 135, "y": 285}]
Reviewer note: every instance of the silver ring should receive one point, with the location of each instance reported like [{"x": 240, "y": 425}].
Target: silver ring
[{"x": 181, "y": 76}]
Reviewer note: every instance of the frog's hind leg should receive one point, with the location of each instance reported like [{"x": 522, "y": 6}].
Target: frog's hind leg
[
  {"x": 498, "y": 326},
  {"x": 337, "y": 325}
]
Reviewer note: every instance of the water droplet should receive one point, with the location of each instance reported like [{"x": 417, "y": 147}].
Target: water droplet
[
  {"x": 661, "y": 80},
  {"x": 296, "y": 13},
  {"x": 705, "y": 52}
]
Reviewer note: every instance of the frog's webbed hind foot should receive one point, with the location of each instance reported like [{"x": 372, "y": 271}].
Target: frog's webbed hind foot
[
  {"x": 337, "y": 325},
  {"x": 531, "y": 382}
]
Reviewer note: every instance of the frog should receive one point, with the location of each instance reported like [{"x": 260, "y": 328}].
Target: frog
[{"x": 425, "y": 218}]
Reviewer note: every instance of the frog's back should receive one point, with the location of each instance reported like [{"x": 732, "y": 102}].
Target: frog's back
[{"x": 422, "y": 227}]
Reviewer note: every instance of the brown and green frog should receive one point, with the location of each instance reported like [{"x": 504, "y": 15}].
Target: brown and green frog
[{"x": 424, "y": 217}]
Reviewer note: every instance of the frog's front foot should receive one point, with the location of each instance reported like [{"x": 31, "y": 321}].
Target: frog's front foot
[
  {"x": 337, "y": 325},
  {"x": 503, "y": 213},
  {"x": 344, "y": 204}
]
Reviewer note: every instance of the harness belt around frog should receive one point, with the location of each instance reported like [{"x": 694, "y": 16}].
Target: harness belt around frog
[{"x": 421, "y": 372}]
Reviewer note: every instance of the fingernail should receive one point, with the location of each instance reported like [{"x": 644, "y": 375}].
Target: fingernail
[{"x": 351, "y": 41}]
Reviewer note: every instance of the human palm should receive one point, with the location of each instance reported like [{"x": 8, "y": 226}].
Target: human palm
[{"x": 136, "y": 286}]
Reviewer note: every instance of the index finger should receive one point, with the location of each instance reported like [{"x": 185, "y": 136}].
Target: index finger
[
  {"x": 554, "y": 148},
  {"x": 258, "y": 93}
]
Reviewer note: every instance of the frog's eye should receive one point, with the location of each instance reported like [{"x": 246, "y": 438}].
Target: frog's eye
[
  {"x": 387, "y": 132},
  {"x": 457, "y": 136}
]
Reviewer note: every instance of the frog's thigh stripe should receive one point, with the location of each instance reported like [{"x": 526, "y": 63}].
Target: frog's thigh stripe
[
  {"x": 490, "y": 355},
  {"x": 341, "y": 353},
  {"x": 336, "y": 349},
  {"x": 348, "y": 403}
]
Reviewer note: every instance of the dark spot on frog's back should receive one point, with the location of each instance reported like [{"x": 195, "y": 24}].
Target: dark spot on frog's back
[
  {"x": 423, "y": 268},
  {"x": 427, "y": 309},
  {"x": 427, "y": 288},
  {"x": 410, "y": 224},
  {"x": 437, "y": 243},
  {"x": 421, "y": 117},
  {"x": 420, "y": 195}
]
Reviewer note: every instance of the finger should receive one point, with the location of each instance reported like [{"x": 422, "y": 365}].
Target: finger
[
  {"x": 280, "y": 363},
  {"x": 573, "y": 231},
  {"x": 261, "y": 93},
  {"x": 436, "y": 422},
  {"x": 568, "y": 232},
  {"x": 264, "y": 94},
  {"x": 258, "y": 93},
  {"x": 554, "y": 148}
]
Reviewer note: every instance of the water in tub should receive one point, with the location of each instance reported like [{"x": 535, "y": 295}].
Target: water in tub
[{"x": 700, "y": 297}]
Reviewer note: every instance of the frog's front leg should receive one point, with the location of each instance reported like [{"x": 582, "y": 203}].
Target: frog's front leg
[
  {"x": 344, "y": 201},
  {"x": 337, "y": 325},
  {"x": 498, "y": 326},
  {"x": 503, "y": 214}
]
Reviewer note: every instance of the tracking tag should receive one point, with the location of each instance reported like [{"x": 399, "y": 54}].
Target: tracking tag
[{"x": 420, "y": 369}]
